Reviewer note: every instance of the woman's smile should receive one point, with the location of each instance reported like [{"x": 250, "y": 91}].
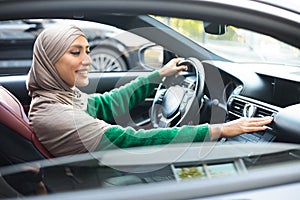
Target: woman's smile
[{"x": 82, "y": 72}]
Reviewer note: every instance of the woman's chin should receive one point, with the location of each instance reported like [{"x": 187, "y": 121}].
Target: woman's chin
[{"x": 82, "y": 82}]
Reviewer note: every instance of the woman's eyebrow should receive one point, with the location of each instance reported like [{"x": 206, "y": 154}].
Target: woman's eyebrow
[{"x": 79, "y": 46}]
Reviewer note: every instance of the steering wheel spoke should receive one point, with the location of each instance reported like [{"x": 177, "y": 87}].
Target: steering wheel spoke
[{"x": 164, "y": 122}]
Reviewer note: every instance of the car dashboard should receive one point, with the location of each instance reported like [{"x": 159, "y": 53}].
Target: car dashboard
[{"x": 251, "y": 90}]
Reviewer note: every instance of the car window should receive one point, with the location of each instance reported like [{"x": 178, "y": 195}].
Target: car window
[
  {"x": 249, "y": 46},
  {"x": 232, "y": 76},
  {"x": 112, "y": 49}
]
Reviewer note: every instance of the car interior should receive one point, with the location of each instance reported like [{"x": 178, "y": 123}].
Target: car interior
[{"x": 221, "y": 91}]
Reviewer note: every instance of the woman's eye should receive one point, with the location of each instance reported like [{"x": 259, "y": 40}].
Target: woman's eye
[
  {"x": 88, "y": 52},
  {"x": 75, "y": 52}
]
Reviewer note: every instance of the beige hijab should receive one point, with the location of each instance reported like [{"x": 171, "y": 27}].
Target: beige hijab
[{"x": 57, "y": 112}]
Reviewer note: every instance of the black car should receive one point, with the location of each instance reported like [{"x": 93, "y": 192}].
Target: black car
[
  {"x": 244, "y": 61},
  {"x": 110, "y": 51}
]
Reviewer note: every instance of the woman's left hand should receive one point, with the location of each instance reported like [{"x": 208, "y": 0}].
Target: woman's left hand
[{"x": 171, "y": 67}]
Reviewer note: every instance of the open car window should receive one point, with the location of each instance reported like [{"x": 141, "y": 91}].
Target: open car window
[{"x": 233, "y": 73}]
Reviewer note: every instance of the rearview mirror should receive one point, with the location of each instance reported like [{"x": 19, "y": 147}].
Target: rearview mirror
[{"x": 213, "y": 28}]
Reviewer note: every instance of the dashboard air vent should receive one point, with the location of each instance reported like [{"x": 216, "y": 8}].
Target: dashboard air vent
[
  {"x": 244, "y": 108},
  {"x": 263, "y": 112},
  {"x": 237, "y": 107}
]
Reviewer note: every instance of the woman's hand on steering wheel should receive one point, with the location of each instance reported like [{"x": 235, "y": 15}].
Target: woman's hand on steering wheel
[
  {"x": 178, "y": 98},
  {"x": 172, "y": 67}
]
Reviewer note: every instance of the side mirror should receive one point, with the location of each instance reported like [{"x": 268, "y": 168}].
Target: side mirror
[
  {"x": 215, "y": 29},
  {"x": 152, "y": 56}
]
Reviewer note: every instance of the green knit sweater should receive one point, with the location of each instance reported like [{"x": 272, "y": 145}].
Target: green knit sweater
[{"x": 118, "y": 101}]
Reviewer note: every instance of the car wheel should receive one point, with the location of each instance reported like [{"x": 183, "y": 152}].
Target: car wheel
[{"x": 105, "y": 59}]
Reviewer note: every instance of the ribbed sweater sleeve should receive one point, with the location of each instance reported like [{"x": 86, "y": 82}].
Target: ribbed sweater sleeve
[
  {"x": 119, "y": 137},
  {"x": 109, "y": 105},
  {"x": 119, "y": 101}
]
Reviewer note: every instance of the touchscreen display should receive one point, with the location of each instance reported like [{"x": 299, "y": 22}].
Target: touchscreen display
[
  {"x": 226, "y": 169},
  {"x": 204, "y": 171},
  {"x": 185, "y": 173}
]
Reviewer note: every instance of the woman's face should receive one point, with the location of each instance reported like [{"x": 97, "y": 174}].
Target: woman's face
[{"x": 74, "y": 65}]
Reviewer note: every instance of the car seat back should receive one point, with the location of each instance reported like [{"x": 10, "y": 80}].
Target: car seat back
[{"x": 18, "y": 142}]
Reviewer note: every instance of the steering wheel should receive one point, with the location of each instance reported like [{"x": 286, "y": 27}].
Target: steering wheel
[{"x": 178, "y": 99}]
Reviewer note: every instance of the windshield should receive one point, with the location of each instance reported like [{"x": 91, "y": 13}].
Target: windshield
[{"x": 249, "y": 46}]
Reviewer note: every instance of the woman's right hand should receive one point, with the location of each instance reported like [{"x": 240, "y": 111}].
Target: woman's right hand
[{"x": 239, "y": 126}]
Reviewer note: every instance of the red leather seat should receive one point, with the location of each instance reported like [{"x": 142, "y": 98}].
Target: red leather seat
[{"x": 18, "y": 142}]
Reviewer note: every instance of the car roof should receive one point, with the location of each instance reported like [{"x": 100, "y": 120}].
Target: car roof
[
  {"x": 292, "y": 5},
  {"x": 124, "y": 13}
]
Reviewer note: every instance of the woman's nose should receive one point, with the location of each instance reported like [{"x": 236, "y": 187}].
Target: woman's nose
[{"x": 87, "y": 60}]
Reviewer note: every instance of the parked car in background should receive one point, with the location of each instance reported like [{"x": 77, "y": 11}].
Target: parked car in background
[
  {"x": 110, "y": 48},
  {"x": 243, "y": 61}
]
